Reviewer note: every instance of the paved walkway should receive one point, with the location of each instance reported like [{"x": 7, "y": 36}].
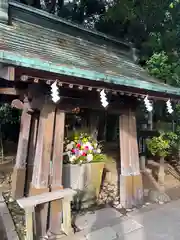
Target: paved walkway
[
  {"x": 2, "y": 230},
  {"x": 151, "y": 223},
  {"x": 7, "y": 228}
]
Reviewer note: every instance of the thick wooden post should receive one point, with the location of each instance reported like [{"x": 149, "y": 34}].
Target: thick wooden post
[
  {"x": 19, "y": 172},
  {"x": 29, "y": 223},
  {"x": 41, "y": 170},
  {"x": 31, "y": 151},
  {"x": 93, "y": 123},
  {"x": 130, "y": 179},
  {"x": 56, "y": 179}
]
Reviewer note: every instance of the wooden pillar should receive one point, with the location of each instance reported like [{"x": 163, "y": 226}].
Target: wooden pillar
[
  {"x": 41, "y": 170},
  {"x": 130, "y": 178},
  {"x": 93, "y": 123},
  {"x": 31, "y": 151},
  {"x": 19, "y": 172},
  {"x": 56, "y": 178},
  {"x": 150, "y": 121}
]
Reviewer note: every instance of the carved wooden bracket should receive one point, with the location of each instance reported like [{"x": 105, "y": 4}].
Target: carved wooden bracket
[{"x": 16, "y": 103}]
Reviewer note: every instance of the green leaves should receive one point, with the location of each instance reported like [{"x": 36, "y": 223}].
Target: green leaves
[
  {"x": 8, "y": 115},
  {"x": 158, "y": 146},
  {"x": 9, "y": 121},
  {"x": 160, "y": 66},
  {"x": 174, "y": 3}
]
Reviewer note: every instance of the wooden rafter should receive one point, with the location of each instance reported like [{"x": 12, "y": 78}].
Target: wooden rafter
[{"x": 10, "y": 91}]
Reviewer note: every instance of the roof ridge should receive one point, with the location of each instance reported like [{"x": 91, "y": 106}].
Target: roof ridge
[{"x": 67, "y": 22}]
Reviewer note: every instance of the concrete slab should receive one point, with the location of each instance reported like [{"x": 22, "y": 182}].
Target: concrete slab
[
  {"x": 104, "y": 233},
  {"x": 95, "y": 220},
  {"x": 7, "y": 221},
  {"x": 125, "y": 227}
]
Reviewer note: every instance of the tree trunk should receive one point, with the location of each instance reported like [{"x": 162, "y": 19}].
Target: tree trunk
[{"x": 161, "y": 173}]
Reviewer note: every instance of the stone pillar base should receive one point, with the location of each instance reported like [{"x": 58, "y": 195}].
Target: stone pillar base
[
  {"x": 18, "y": 181},
  {"x": 131, "y": 191}
]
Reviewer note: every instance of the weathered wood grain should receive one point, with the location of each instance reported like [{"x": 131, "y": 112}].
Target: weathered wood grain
[
  {"x": 28, "y": 202},
  {"x": 31, "y": 151},
  {"x": 41, "y": 169},
  {"x": 130, "y": 179},
  {"x": 42, "y": 158},
  {"x": 56, "y": 172},
  {"x": 19, "y": 172}
]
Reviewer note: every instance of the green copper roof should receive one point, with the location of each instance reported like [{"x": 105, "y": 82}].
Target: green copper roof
[{"x": 28, "y": 45}]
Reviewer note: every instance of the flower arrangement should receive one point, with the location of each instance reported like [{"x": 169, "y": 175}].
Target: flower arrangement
[{"x": 82, "y": 148}]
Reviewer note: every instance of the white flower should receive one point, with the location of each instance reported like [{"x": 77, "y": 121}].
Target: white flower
[
  {"x": 69, "y": 146},
  {"x": 89, "y": 157},
  {"x": 98, "y": 150},
  {"x": 72, "y": 159},
  {"x": 88, "y": 144}
]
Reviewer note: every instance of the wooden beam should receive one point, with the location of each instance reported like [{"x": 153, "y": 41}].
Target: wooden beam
[
  {"x": 7, "y": 73},
  {"x": 33, "y": 201},
  {"x": 10, "y": 91}
]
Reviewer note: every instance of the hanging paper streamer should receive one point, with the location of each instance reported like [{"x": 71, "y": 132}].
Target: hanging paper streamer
[
  {"x": 55, "y": 92},
  {"x": 103, "y": 99},
  {"x": 148, "y": 104},
  {"x": 169, "y": 107}
]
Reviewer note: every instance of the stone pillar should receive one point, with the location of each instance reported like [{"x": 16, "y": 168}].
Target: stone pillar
[{"x": 4, "y": 11}]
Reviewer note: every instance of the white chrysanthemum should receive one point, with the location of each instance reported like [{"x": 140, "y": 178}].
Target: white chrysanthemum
[
  {"x": 72, "y": 159},
  {"x": 89, "y": 157},
  {"x": 69, "y": 146},
  {"x": 98, "y": 150}
]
